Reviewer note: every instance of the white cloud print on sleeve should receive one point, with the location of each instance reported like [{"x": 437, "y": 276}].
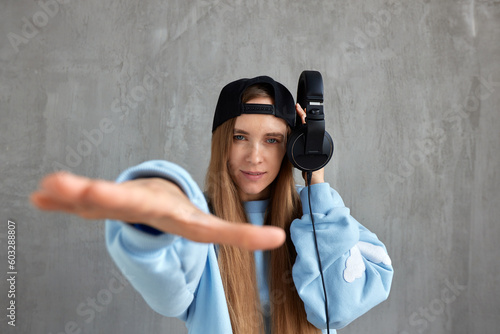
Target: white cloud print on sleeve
[{"x": 355, "y": 266}]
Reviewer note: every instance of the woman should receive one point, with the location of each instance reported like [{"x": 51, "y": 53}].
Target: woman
[{"x": 201, "y": 268}]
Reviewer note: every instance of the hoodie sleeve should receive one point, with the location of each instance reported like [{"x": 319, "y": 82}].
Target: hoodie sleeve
[
  {"x": 356, "y": 267},
  {"x": 164, "y": 268}
]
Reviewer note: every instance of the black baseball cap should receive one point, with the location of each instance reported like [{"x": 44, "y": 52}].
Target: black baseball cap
[{"x": 229, "y": 104}]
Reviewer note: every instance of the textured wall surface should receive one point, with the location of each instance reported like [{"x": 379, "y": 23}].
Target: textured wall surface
[{"x": 412, "y": 95}]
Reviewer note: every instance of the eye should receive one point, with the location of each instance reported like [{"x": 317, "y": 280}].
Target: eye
[
  {"x": 239, "y": 137},
  {"x": 272, "y": 141}
]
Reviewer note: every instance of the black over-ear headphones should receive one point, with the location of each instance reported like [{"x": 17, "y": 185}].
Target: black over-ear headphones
[{"x": 310, "y": 147}]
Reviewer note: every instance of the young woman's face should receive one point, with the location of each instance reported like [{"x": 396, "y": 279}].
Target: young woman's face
[{"x": 256, "y": 153}]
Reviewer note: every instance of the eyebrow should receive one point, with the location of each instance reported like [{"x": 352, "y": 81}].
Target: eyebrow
[{"x": 269, "y": 134}]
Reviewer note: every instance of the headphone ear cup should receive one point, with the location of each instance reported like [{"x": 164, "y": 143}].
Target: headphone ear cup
[
  {"x": 291, "y": 145},
  {"x": 295, "y": 150}
]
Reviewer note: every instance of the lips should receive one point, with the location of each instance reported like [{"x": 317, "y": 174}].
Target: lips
[
  {"x": 253, "y": 173},
  {"x": 253, "y": 176}
]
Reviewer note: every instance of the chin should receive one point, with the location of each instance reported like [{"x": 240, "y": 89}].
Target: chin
[{"x": 251, "y": 192}]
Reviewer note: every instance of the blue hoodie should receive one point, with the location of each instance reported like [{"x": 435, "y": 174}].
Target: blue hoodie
[{"x": 181, "y": 278}]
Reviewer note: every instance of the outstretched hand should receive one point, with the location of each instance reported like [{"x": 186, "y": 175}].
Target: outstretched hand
[{"x": 153, "y": 201}]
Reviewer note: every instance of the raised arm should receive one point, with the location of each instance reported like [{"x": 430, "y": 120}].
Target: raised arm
[{"x": 356, "y": 266}]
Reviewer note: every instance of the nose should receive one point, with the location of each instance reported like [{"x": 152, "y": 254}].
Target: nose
[{"x": 254, "y": 154}]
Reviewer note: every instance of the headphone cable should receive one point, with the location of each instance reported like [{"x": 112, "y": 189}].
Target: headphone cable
[{"x": 309, "y": 177}]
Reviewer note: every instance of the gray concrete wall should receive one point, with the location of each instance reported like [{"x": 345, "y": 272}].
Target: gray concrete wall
[{"x": 412, "y": 95}]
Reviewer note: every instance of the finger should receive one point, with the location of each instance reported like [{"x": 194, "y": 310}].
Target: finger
[
  {"x": 301, "y": 112},
  {"x": 81, "y": 191},
  {"x": 248, "y": 236},
  {"x": 75, "y": 194},
  {"x": 47, "y": 202},
  {"x": 209, "y": 228},
  {"x": 255, "y": 237},
  {"x": 64, "y": 186},
  {"x": 51, "y": 195}
]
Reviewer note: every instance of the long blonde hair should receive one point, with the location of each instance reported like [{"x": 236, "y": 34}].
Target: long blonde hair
[{"x": 237, "y": 266}]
